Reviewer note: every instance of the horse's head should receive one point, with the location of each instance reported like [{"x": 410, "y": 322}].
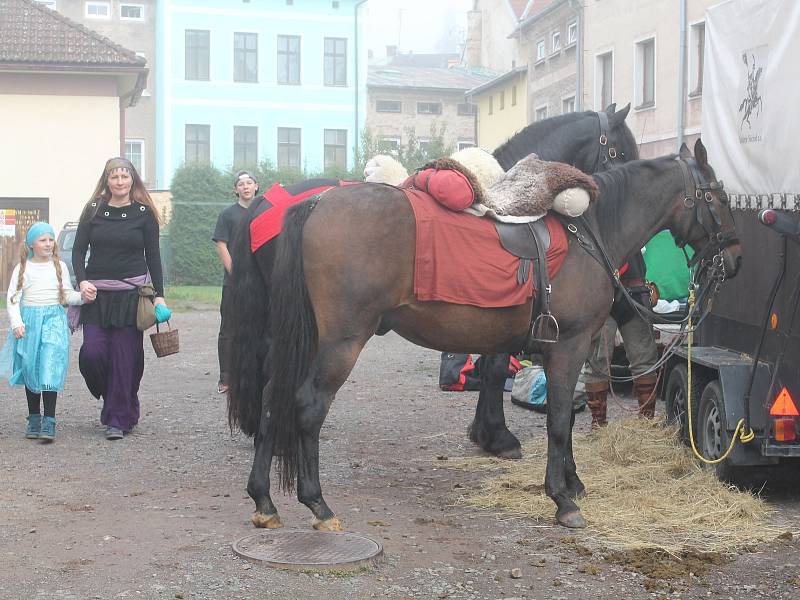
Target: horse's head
[
  {"x": 615, "y": 142},
  {"x": 702, "y": 216}
]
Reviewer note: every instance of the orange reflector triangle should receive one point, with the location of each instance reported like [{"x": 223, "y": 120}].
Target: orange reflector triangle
[{"x": 784, "y": 406}]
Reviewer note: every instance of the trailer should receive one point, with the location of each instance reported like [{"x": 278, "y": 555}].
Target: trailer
[{"x": 745, "y": 356}]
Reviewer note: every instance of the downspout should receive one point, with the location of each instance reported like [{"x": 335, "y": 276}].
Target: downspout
[
  {"x": 121, "y": 128},
  {"x": 681, "y": 73},
  {"x": 576, "y": 6},
  {"x": 356, "y": 79}
]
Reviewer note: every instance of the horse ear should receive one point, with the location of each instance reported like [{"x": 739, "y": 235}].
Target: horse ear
[
  {"x": 684, "y": 152},
  {"x": 611, "y": 108},
  {"x": 700, "y": 153},
  {"x": 618, "y": 117}
]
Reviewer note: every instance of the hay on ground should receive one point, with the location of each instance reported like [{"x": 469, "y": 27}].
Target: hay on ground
[{"x": 644, "y": 490}]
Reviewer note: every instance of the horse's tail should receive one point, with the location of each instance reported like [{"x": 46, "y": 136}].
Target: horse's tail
[
  {"x": 294, "y": 340},
  {"x": 246, "y": 305}
]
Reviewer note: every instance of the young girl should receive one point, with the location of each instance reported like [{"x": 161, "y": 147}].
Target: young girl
[{"x": 37, "y": 352}]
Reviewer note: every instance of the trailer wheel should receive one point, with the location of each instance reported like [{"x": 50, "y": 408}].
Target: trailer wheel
[
  {"x": 713, "y": 437},
  {"x": 675, "y": 399}
]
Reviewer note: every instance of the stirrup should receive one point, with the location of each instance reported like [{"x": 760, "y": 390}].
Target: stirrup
[{"x": 545, "y": 329}]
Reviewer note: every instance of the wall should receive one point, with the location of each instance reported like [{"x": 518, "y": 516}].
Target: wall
[
  {"x": 61, "y": 141},
  {"x": 494, "y": 129},
  {"x": 223, "y": 103}
]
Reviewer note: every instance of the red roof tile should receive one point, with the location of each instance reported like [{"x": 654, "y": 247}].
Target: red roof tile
[{"x": 31, "y": 33}]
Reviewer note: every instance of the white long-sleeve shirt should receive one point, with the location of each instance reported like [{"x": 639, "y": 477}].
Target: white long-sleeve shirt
[{"x": 39, "y": 288}]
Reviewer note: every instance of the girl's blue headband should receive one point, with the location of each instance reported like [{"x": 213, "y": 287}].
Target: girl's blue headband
[{"x": 36, "y": 231}]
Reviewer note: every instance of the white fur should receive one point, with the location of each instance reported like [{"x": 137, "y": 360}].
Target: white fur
[
  {"x": 481, "y": 164},
  {"x": 385, "y": 169}
]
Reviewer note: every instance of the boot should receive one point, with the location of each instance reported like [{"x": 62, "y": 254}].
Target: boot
[
  {"x": 48, "y": 432},
  {"x": 34, "y": 427},
  {"x": 597, "y": 400},
  {"x": 645, "y": 389}
]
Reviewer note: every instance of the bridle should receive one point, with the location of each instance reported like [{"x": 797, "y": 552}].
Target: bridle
[
  {"x": 605, "y": 154},
  {"x": 699, "y": 196}
]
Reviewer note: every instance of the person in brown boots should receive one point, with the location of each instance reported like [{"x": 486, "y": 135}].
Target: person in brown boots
[{"x": 640, "y": 347}]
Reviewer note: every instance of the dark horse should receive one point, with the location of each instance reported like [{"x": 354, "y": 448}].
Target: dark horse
[
  {"x": 344, "y": 271},
  {"x": 589, "y": 141}
]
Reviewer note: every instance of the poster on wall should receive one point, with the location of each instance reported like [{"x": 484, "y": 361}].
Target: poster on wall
[{"x": 8, "y": 222}]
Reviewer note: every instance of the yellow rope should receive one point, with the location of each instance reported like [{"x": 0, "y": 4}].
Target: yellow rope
[{"x": 739, "y": 432}]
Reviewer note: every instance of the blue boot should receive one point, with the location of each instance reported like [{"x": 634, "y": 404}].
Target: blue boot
[
  {"x": 34, "y": 427},
  {"x": 48, "y": 432}
]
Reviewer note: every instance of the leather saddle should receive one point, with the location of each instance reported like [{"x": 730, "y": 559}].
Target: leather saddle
[{"x": 529, "y": 242}]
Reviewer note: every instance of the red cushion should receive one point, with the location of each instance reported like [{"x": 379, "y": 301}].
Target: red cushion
[{"x": 450, "y": 188}]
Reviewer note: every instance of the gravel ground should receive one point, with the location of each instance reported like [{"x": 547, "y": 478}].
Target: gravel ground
[{"x": 154, "y": 515}]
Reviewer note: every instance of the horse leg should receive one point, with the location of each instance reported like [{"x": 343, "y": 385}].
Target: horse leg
[
  {"x": 488, "y": 429},
  {"x": 562, "y": 365},
  {"x": 266, "y": 514},
  {"x": 333, "y": 364}
]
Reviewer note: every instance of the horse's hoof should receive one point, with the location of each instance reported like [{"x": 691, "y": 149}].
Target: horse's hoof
[
  {"x": 512, "y": 453},
  {"x": 573, "y": 520},
  {"x": 332, "y": 524},
  {"x": 263, "y": 521}
]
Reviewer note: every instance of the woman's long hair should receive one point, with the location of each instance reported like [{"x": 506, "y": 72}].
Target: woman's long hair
[
  {"x": 102, "y": 194},
  {"x": 23, "y": 261}
]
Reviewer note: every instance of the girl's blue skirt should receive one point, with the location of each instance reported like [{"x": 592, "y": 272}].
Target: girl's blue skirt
[{"x": 39, "y": 360}]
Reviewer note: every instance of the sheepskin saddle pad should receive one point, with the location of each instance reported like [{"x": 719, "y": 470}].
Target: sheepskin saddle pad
[{"x": 532, "y": 187}]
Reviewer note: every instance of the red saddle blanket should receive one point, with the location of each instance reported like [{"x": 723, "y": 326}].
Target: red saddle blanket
[{"x": 459, "y": 258}]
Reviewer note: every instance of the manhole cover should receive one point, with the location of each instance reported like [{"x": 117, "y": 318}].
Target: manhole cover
[{"x": 299, "y": 549}]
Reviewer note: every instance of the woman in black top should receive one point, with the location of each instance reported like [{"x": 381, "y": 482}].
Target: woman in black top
[{"x": 119, "y": 228}]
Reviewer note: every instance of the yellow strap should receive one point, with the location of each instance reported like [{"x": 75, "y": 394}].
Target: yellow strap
[{"x": 739, "y": 432}]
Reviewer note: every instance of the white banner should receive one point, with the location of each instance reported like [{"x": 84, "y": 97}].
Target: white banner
[{"x": 751, "y": 96}]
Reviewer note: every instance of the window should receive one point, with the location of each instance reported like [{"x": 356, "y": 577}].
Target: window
[
  {"x": 502, "y": 100},
  {"x": 391, "y": 106},
  {"x": 568, "y": 105},
  {"x": 336, "y": 148},
  {"x": 697, "y": 43},
  {"x": 466, "y": 109},
  {"x": 645, "y": 73},
  {"x": 134, "y": 152},
  {"x": 289, "y": 59},
  {"x": 556, "y": 46},
  {"x": 604, "y": 80},
  {"x": 572, "y": 33},
  {"x": 245, "y": 57},
  {"x": 245, "y": 146},
  {"x": 465, "y": 144},
  {"x": 48, "y": 3},
  {"x": 541, "y": 113},
  {"x": 198, "y": 44},
  {"x": 335, "y": 61},
  {"x": 513, "y": 95},
  {"x": 424, "y": 144},
  {"x": 288, "y": 148},
  {"x": 491, "y": 104},
  {"x": 131, "y": 12},
  {"x": 390, "y": 144},
  {"x": 198, "y": 143},
  {"x": 98, "y": 10},
  {"x": 540, "y": 51},
  {"x": 429, "y": 108}
]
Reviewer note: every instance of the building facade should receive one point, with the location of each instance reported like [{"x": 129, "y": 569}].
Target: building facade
[
  {"x": 501, "y": 107},
  {"x": 423, "y": 100},
  {"x": 637, "y": 57},
  {"x": 548, "y": 39},
  {"x": 490, "y": 40},
  {"x": 67, "y": 89},
  {"x": 131, "y": 24},
  {"x": 240, "y": 83}
]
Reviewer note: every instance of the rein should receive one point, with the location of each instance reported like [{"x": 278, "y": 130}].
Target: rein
[{"x": 605, "y": 153}]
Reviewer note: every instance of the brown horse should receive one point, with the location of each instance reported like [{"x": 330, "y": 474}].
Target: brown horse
[
  {"x": 344, "y": 272},
  {"x": 588, "y": 140}
]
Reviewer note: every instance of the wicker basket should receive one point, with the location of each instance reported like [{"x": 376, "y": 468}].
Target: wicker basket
[{"x": 165, "y": 342}]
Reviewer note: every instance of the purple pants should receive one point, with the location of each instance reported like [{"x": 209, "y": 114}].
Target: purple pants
[{"x": 112, "y": 363}]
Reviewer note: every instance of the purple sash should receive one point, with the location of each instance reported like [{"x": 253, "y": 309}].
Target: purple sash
[{"x": 106, "y": 285}]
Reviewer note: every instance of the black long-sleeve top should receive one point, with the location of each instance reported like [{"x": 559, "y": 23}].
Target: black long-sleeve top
[{"x": 123, "y": 242}]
